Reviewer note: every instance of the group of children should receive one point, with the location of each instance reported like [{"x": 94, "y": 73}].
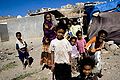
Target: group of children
[
  {"x": 64, "y": 56},
  {"x": 74, "y": 55}
]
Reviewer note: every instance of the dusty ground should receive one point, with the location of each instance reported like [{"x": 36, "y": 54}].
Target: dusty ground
[{"x": 11, "y": 67}]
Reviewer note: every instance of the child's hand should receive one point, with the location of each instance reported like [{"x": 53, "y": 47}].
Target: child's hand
[
  {"x": 86, "y": 50},
  {"x": 52, "y": 68},
  {"x": 93, "y": 50},
  {"x": 22, "y": 51},
  {"x": 51, "y": 27}
]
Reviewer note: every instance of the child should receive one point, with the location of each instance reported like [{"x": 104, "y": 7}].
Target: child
[
  {"x": 94, "y": 47},
  {"x": 48, "y": 27},
  {"x": 74, "y": 54},
  {"x": 75, "y": 27},
  {"x": 21, "y": 47},
  {"x": 87, "y": 65},
  {"x": 80, "y": 43},
  {"x": 60, "y": 49},
  {"x": 45, "y": 56},
  {"x": 68, "y": 33}
]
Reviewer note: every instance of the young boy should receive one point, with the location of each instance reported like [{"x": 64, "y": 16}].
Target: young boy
[
  {"x": 60, "y": 48},
  {"x": 21, "y": 47},
  {"x": 74, "y": 54}
]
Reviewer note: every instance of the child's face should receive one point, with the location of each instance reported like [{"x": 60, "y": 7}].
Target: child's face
[
  {"x": 102, "y": 37},
  {"x": 73, "y": 42},
  {"x": 87, "y": 70},
  {"x": 74, "y": 22},
  {"x": 18, "y": 36},
  {"x": 48, "y": 17},
  {"x": 79, "y": 36},
  {"x": 60, "y": 34},
  {"x": 49, "y": 62}
]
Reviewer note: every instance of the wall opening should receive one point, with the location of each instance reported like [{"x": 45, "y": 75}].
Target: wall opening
[{"x": 4, "y": 36}]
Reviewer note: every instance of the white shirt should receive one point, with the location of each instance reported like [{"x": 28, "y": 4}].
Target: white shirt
[
  {"x": 61, "y": 49},
  {"x": 74, "y": 52},
  {"x": 21, "y": 45},
  {"x": 75, "y": 28}
]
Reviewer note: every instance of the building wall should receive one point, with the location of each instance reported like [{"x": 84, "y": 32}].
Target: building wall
[{"x": 30, "y": 27}]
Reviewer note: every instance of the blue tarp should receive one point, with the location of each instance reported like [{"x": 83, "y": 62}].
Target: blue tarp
[
  {"x": 89, "y": 10},
  {"x": 118, "y": 7},
  {"x": 105, "y": 7}
]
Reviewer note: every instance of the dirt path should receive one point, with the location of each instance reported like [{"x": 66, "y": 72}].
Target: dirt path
[
  {"x": 16, "y": 72},
  {"x": 111, "y": 67}
]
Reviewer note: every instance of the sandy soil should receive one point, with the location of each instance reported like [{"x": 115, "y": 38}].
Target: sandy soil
[{"x": 11, "y": 67}]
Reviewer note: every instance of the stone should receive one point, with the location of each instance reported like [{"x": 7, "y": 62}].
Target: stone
[
  {"x": 113, "y": 47},
  {"x": 110, "y": 42},
  {"x": 107, "y": 47}
]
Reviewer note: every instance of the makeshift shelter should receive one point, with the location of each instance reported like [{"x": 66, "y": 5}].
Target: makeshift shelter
[
  {"x": 56, "y": 13},
  {"x": 90, "y": 10},
  {"x": 109, "y": 6},
  {"x": 108, "y": 21}
]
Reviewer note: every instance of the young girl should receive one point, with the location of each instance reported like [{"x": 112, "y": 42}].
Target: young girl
[
  {"x": 21, "y": 47},
  {"x": 48, "y": 27},
  {"x": 45, "y": 56},
  {"x": 80, "y": 43},
  {"x": 74, "y": 54},
  {"x": 61, "y": 48}
]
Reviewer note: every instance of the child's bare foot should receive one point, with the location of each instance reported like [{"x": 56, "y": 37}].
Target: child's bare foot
[
  {"x": 29, "y": 66},
  {"x": 24, "y": 67}
]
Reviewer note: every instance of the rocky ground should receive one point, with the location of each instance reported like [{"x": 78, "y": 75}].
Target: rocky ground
[{"x": 11, "y": 67}]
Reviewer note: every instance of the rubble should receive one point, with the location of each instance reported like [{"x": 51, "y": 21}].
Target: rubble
[
  {"x": 3, "y": 56},
  {"x": 111, "y": 46}
]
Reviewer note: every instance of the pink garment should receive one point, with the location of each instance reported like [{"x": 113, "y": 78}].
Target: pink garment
[{"x": 80, "y": 45}]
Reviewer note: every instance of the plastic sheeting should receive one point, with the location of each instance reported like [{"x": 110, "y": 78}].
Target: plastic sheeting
[{"x": 109, "y": 21}]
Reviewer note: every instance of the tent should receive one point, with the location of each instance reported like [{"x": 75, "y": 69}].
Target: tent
[{"x": 108, "y": 21}]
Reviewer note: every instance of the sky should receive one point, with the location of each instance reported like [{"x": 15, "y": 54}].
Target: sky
[{"x": 21, "y": 7}]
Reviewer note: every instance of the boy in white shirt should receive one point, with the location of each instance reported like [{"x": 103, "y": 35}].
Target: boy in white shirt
[
  {"x": 21, "y": 47},
  {"x": 60, "y": 48}
]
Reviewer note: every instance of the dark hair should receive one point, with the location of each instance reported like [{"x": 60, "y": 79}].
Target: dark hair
[
  {"x": 87, "y": 61},
  {"x": 62, "y": 26},
  {"x": 78, "y": 32},
  {"x": 63, "y": 22},
  {"x": 44, "y": 42},
  {"x": 18, "y": 33},
  {"x": 46, "y": 15},
  {"x": 102, "y": 31},
  {"x": 73, "y": 38}
]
